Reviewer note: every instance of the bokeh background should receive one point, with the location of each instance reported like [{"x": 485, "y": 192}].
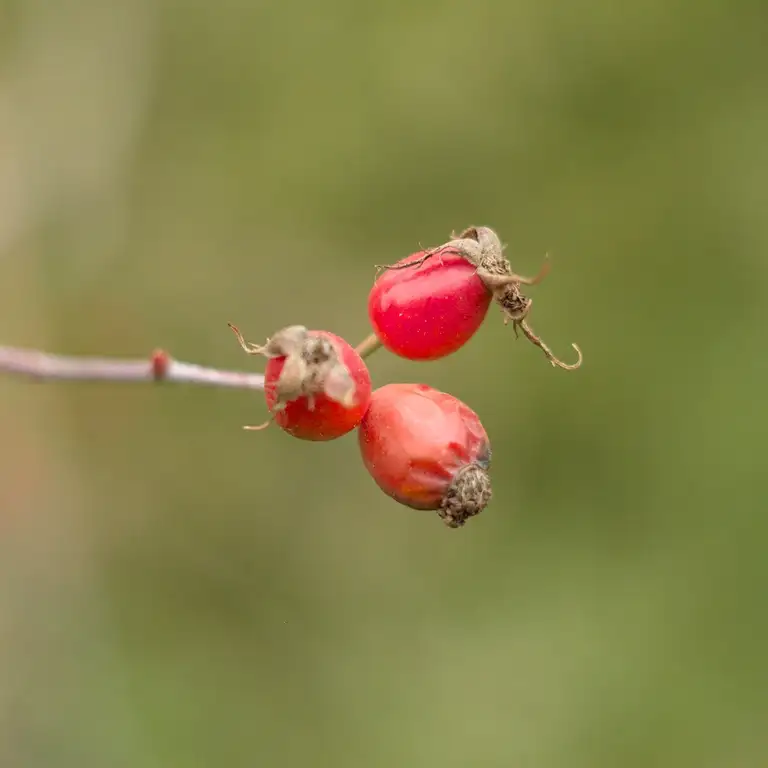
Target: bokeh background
[{"x": 177, "y": 592}]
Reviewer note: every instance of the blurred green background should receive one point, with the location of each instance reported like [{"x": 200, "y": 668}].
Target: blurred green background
[{"x": 177, "y": 592}]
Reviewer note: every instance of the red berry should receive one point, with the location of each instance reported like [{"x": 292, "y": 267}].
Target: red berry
[
  {"x": 427, "y": 450},
  {"x": 428, "y": 311},
  {"x": 315, "y": 384},
  {"x": 431, "y": 303}
]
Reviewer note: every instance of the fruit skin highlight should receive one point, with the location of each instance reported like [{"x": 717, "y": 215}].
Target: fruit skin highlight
[
  {"x": 316, "y": 386},
  {"x": 431, "y": 309},
  {"x": 427, "y": 450}
]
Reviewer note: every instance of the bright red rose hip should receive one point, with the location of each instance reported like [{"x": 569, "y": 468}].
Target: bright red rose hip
[
  {"x": 431, "y": 303},
  {"x": 316, "y": 386},
  {"x": 428, "y": 311},
  {"x": 427, "y": 450}
]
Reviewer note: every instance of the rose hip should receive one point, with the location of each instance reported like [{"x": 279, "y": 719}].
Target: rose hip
[
  {"x": 431, "y": 303},
  {"x": 427, "y": 450},
  {"x": 316, "y": 386},
  {"x": 428, "y": 311}
]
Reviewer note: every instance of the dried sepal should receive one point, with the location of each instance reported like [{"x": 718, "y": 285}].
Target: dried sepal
[{"x": 311, "y": 366}]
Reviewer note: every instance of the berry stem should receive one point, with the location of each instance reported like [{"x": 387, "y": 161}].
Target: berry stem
[
  {"x": 368, "y": 346},
  {"x": 160, "y": 366}
]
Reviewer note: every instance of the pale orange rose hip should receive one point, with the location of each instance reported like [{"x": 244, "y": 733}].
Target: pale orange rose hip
[{"x": 427, "y": 450}]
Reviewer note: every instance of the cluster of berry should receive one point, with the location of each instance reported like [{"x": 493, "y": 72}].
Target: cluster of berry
[{"x": 424, "y": 448}]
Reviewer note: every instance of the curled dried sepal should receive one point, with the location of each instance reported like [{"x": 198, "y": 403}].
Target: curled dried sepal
[
  {"x": 482, "y": 248},
  {"x": 257, "y": 427},
  {"x": 556, "y": 362},
  {"x": 311, "y": 367}
]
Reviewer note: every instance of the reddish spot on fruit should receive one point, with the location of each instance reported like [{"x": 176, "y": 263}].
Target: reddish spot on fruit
[
  {"x": 427, "y": 450},
  {"x": 319, "y": 416},
  {"x": 428, "y": 311}
]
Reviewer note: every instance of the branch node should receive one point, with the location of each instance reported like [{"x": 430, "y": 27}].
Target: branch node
[{"x": 161, "y": 362}]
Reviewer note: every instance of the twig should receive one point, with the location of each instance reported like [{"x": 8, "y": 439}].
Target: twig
[{"x": 159, "y": 367}]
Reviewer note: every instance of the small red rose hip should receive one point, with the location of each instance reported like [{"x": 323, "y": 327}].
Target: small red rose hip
[
  {"x": 427, "y": 450},
  {"x": 316, "y": 386},
  {"x": 425, "y": 309},
  {"x": 431, "y": 303}
]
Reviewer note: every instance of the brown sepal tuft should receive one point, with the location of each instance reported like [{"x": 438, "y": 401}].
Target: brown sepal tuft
[
  {"x": 312, "y": 366},
  {"x": 467, "y": 496}
]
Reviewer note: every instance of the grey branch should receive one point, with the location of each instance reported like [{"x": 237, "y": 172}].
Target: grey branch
[{"x": 159, "y": 367}]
